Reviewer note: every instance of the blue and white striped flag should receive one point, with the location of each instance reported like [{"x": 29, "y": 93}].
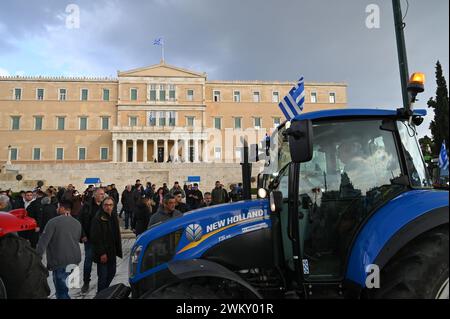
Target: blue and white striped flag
[
  {"x": 158, "y": 41},
  {"x": 292, "y": 103},
  {"x": 443, "y": 158}
]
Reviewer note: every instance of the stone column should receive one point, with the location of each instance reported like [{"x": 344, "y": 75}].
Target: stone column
[
  {"x": 114, "y": 154},
  {"x": 134, "y": 151},
  {"x": 145, "y": 151},
  {"x": 205, "y": 151},
  {"x": 196, "y": 150},
  {"x": 124, "y": 151},
  {"x": 166, "y": 150},
  {"x": 155, "y": 150},
  {"x": 175, "y": 152},
  {"x": 186, "y": 150}
]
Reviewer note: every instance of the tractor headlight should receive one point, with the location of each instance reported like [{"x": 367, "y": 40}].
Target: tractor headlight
[
  {"x": 262, "y": 193},
  {"x": 134, "y": 259},
  {"x": 160, "y": 250}
]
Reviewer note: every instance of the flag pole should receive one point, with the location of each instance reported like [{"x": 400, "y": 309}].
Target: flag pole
[{"x": 162, "y": 49}]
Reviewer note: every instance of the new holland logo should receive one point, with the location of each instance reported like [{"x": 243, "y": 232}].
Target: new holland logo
[{"x": 194, "y": 232}]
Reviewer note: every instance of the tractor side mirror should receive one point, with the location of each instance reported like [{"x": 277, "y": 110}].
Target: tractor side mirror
[{"x": 300, "y": 135}]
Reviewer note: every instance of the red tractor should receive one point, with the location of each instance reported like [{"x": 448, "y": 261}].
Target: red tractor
[{"x": 22, "y": 274}]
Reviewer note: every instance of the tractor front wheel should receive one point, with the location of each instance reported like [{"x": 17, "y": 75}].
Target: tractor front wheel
[{"x": 201, "y": 288}]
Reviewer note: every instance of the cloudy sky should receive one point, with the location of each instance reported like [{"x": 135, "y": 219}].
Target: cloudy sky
[{"x": 323, "y": 40}]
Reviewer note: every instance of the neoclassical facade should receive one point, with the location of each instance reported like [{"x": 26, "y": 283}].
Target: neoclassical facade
[{"x": 158, "y": 114}]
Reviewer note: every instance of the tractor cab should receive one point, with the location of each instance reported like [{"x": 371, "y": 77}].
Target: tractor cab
[{"x": 335, "y": 169}]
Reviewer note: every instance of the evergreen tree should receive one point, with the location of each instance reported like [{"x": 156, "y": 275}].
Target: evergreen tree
[
  {"x": 439, "y": 126},
  {"x": 426, "y": 144}
]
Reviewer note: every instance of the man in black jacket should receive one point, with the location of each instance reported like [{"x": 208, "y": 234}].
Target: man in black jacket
[
  {"x": 88, "y": 212},
  {"x": 128, "y": 203},
  {"x": 180, "y": 206},
  {"x": 106, "y": 243}
]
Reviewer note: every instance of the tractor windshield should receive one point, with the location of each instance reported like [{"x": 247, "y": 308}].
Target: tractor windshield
[{"x": 355, "y": 168}]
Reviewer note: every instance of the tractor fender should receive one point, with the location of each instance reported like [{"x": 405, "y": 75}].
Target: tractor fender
[
  {"x": 188, "y": 269},
  {"x": 392, "y": 226}
]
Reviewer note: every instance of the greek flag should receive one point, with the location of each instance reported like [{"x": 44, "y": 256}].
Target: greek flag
[
  {"x": 443, "y": 158},
  {"x": 292, "y": 104},
  {"x": 158, "y": 41}
]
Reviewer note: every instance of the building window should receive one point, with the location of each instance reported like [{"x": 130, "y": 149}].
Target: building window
[
  {"x": 14, "y": 154},
  {"x": 275, "y": 97},
  {"x": 59, "y": 153},
  {"x": 36, "y": 154},
  {"x": 104, "y": 153},
  {"x": 256, "y": 97},
  {"x": 153, "y": 92},
  {"x": 82, "y": 153},
  {"x": 15, "y": 123},
  {"x": 257, "y": 122},
  {"x": 218, "y": 123},
  {"x": 83, "y": 123},
  {"x": 190, "y": 121},
  {"x": 276, "y": 122},
  {"x": 313, "y": 97},
  {"x": 172, "y": 92},
  {"x": 216, "y": 96},
  {"x": 237, "y": 96},
  {"x": 40, "y": 94},
  {"x": 238, "y": 122},
  {"x": 190, "y": 95},
  {"x": 162, "y": 118},
  {"x": 218, "y": 153},
  {"x": 133, "y": 121},
  {"x": 162, "y": 93},
  {"x": 172, "y": 118},
  {"x": 152, "y": 119},
  {"x": 84, "y": 94},
  {"x": 38, "y": 123},
  {"x": 62, "y": 94},
  {"x": 133, "y": 94},
  {"x": 332, "y": 98},
  {"x": 105, "y": 123},
  {"x": 61, "y": 123},
  {"x": 105, "y": 94},
  {"x": 17, "y": 94}
]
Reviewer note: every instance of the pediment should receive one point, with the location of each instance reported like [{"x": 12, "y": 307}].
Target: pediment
[{"x": 161, "y": 70}]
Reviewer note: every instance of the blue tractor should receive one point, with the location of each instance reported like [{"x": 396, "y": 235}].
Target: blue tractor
[{"x": 349, "y": 213}]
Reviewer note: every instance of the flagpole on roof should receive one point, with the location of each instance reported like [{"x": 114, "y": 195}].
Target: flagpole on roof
[{"x": 162, "y": 49}]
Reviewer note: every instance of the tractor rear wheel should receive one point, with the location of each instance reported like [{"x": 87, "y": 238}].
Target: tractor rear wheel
[
  {"x": 419, "y": 270},
  {"x": 21, "y": 270},
  {"x": 201, "y": 288}
]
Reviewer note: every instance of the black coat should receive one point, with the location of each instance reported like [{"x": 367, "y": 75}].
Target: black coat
[
  {"x": 105, "y": 236},
  {"x": 182, "y": 207},
  {"x": 49, "y": 211},
  {"x": 88, "y": 212},
  {"x": 192, "y": 202},
  {"x": 128, "y": 200},
  {"x": 142, "y": 214}
]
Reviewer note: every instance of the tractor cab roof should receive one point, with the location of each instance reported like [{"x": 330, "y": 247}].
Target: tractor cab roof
[{"x": 352, "y": 113}]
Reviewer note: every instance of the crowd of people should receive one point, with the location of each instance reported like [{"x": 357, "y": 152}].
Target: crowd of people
[{"x": 65, "y": 218}]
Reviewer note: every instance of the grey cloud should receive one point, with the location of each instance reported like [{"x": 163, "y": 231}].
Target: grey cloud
[{"x": 251, "y": 39}]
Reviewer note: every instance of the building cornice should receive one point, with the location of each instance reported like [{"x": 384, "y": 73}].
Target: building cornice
[{"x": 58, "y": 79}]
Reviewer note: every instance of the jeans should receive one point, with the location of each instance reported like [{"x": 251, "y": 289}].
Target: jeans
[
  {"x": 106, "y": 273},
  {"x": 128, "y": 217},
  {"x": 59, "y": 279},
  {"x": 87, "y": 269}
]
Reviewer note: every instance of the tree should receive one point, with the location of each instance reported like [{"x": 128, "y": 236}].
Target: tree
[
  {"x": 426, "y": 144},
  {"x": 439, "y": 126}
]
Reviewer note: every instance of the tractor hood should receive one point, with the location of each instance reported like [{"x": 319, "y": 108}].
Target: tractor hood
[{"x": 195, "y": 232}]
